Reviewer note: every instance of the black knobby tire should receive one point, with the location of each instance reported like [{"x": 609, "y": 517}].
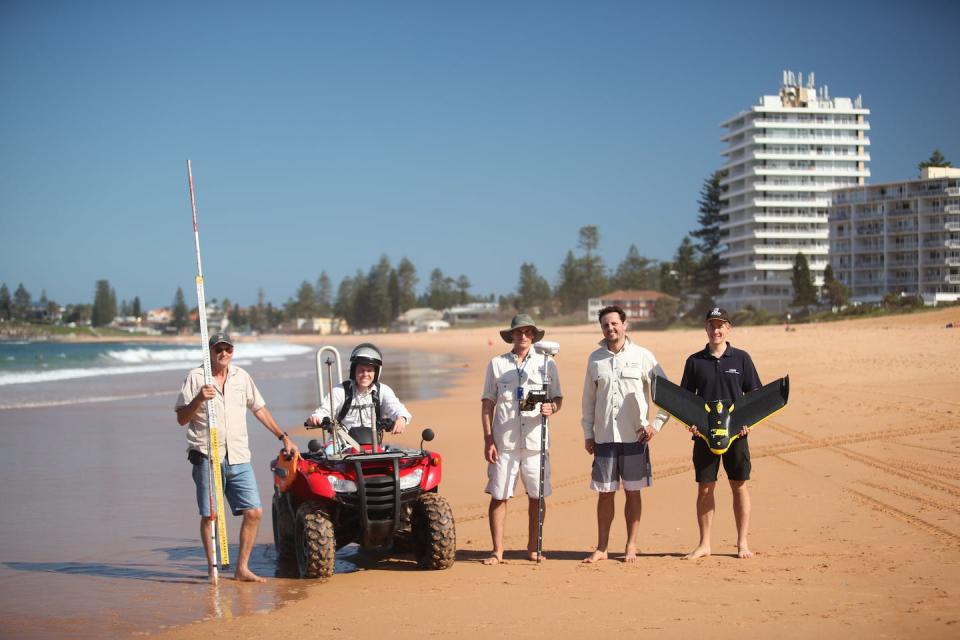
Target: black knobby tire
[
  {"x": 283, "y": 526},
  {"x": 315, "y": 542},
  {"x": 434, "y": 532}
]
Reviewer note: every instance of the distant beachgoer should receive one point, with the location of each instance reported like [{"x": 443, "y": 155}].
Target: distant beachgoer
[
  {"x": 721, "y": 372},
  {"x": 363, "y": 394},
  {"x": 511, "y": 437},
  {"x": 616, "y": 427},
  {"x": 233, "y": 392}
]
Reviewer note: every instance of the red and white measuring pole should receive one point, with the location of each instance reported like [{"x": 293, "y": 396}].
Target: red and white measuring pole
[{"x": 219, "y": 529}]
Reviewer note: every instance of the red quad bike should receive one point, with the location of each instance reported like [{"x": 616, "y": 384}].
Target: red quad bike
[{"x": 349, "y": 488}]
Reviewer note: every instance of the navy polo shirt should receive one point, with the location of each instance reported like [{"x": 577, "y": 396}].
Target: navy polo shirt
[{"x": 725, "y": 378}]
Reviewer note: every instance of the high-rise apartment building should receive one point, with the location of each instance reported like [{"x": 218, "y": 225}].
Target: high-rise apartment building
[
  {"x": 899, "y": 238},
  {"x": 784, "y": 157}
]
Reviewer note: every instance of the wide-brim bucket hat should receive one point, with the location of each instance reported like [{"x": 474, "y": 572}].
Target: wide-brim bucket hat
[{"x": 522, "y": 320}]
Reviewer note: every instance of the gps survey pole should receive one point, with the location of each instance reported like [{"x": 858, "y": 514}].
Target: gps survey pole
[
  {"x": 546, "y": 349},
  {"x": 219, "y": 529}
]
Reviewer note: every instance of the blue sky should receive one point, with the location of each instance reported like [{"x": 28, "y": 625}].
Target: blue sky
[{"x": 467, "y": 136}]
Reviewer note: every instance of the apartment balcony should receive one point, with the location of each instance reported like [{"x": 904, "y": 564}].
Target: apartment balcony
[
  {"x": 952, "y": 244},
  {"x": 790, "y": 218},
  {"x": 952, "y": 262},
  {"x": 806, "y": 202},
  {"x": 811, "y": 173},
  {"x": 813, "y": 234},
  {"x": 952, "y": 208},
  {"x": 951, "y": 279},
  {"x": 835, "y": 141},
  {"x": 811, "y": 155},
  {"x": 952, "y": 191},
  {"x": 810, "y": 125}
]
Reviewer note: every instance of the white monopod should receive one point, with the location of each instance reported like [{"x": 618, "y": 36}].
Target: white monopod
[{"x": 547, "y": 349}]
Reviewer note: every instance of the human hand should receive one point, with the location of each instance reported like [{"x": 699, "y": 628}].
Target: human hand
[
  {"x": 647, "y": 433},
  {"x": 207, "y": 392},
  {"x": 693, "y": 429},
  {"x": 547, "y": 408},
  {"x": 746, "y": 430},
  {"x": 589, "y": 444},
  {"x": 314, "y": 421},
  {"x": 289, "y": 449},
  {"x": 399, "y": 425},
  {"x": 490, "y": 450}
]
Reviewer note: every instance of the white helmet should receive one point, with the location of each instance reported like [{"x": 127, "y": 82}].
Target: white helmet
[{"x": 366, "y": 353}]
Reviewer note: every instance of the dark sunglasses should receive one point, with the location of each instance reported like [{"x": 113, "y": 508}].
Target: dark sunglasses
[{"x": 220, "y": 348}]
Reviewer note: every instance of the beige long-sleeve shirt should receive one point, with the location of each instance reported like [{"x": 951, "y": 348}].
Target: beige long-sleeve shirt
[{"x": 616, "y": 394}]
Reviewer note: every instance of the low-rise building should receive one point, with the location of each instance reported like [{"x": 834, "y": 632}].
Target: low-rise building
[
  {"x": 899, "y": 238},
  {"x": 638, "y": 305},
  {"x": 470, "y": 313},
  {"x": 419, "y": 319}
]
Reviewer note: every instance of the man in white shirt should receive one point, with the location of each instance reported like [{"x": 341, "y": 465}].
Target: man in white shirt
[
  {"x": 363, "y": 399},
  {"x": 616, "y": 428},
  {"x": 511, "y": 436}
]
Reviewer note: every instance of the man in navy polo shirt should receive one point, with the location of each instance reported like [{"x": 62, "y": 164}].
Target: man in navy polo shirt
[{"x": 721, "y": 372}]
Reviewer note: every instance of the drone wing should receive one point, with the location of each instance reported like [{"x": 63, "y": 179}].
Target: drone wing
[
  {"x": 757, "y": 406},
  {"x": 687, "y": 407}
]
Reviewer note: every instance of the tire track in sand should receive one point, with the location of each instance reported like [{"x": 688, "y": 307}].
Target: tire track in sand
[{"x": 891, "y": 511}]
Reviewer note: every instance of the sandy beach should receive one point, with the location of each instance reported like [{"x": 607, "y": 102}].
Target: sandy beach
[{"x": 856, "y": 508}]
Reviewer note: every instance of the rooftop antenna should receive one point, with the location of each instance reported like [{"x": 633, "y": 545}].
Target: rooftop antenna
[{"x": 810, "y": 83}]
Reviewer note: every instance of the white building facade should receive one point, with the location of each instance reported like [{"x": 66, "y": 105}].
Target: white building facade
[
  {"x": 784, "y": 157},
  {"x": 900, "y": 238}
]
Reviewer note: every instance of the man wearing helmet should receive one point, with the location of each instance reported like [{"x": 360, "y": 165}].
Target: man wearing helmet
[
  {"x": 511, "y": 435},
  {"x": 354, "y": 399}
]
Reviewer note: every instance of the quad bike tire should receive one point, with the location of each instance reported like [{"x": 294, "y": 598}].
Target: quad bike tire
[
  {"x": 434, "y": 532},
  {"x": 314, "y": 541},
  {"x": 283, "y": 530}
]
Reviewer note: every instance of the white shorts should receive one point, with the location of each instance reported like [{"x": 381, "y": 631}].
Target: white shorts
[{"x": 502, "y": 475}]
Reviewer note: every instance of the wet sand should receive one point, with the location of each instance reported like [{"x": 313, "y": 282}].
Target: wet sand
[
  {"x": 856, "y": 513},
  {"x": 99, "y": 535}
]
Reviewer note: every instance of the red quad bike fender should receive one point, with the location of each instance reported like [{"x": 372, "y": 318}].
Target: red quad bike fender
[{"x": 432, "y": 472}]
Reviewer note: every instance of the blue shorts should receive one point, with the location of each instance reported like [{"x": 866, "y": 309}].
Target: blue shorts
[{"x": 239, "y": 485}]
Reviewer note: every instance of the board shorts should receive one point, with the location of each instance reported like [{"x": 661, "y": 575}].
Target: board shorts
[
  {"x": 239, "y": 485},
  {"x": 502, "y": 474},
  {"x": 736, "y": 461},
  {"x": 616, "y": 461}
]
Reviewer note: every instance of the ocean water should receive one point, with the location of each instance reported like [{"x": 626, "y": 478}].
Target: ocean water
[{"x": 99, "y": 529}]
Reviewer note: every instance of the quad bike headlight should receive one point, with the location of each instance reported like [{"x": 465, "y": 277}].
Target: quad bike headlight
[
  {"x": 342, "y": 485},
  {"x": 412, "y": 480}
]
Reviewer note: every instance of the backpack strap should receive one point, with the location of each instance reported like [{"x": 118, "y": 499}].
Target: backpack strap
[{"x": 348, "y": 399}]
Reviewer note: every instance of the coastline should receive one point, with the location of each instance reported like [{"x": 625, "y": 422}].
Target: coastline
[{"x": 856, "y": 505}]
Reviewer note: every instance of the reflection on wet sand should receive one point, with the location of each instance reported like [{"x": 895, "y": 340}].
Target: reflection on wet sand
[{"x": 99, "y": 534}]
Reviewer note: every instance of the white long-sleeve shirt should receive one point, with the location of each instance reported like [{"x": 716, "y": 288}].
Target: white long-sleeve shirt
[
  {"x": 616, "y": 394},
  {"x": 361, "y": 408}
]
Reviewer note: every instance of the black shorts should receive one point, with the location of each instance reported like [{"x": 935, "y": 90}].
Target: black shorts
[{"x": 736, "y": 461}]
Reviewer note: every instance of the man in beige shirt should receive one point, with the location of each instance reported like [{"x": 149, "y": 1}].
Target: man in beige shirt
[{"x": 232, "y": 392}]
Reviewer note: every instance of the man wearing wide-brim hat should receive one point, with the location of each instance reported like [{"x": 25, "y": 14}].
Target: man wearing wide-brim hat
[{"x": 511, "y": 437}]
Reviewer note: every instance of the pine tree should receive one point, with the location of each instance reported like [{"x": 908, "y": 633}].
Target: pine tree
[
  {"x": 324, "y": 294},
  {"x": 22, "y": 300},
  {"x": 936, "y": 159},
  {"x": 804, "y": 290},
  {"x": 406, "y": 285},
  {"x": 6, "y": 304},
  {"x": 104, "y": 304},
  {"x": 135, "y": 309},
  {"x": 533, "y": 291},
  {"x": 635, "y": 272},
  {"x": 833, "y": 290},
  {"x": 707, "y": 278},
  {"x": 181, "y": 316}
]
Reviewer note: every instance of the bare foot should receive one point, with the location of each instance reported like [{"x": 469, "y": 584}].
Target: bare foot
[
  {"x": 493, "y": 560},
  {"x": 630, "y": 556},
  {"x": 596, "y": 556},
  {"x": 532, "y": 556},
  {"x": 744, "y": 552},
  {"x": 699, "y": 552},
  {"x": 245, "y": 575}
]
